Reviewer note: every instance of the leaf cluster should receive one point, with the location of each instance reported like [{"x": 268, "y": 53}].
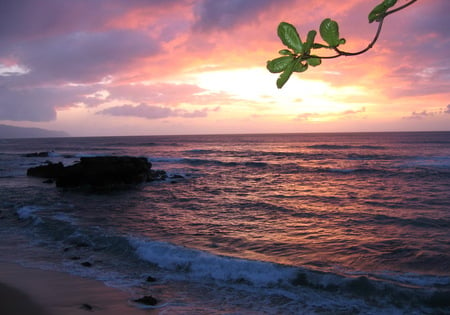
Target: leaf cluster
[{"x": 300, "y": 55}]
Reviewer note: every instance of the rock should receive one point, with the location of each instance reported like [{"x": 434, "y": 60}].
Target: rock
[
  {"x": 51, "y": 170},
  {"x": 86, "y": 307},
  {"x": 105, "y": 171},
  {"x": 150, "y": 279},
  {"x": 37, "y": 154},
  {"x": 147, "y": 300},
  {"x": 100, "y": 173},
  {"x": 157, "y": 175}
]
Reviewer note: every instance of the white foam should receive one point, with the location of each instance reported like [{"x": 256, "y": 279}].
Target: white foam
[
  {"x": 166, "y": 159},
  {"x": 28, "y": 212},
  {"x": 202, "y": 265},
  {"x": 64, "y": 218}
]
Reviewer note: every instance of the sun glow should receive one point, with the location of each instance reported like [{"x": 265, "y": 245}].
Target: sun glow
[{"x": 299, "y": 96}]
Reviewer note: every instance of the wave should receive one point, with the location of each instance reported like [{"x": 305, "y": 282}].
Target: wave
[
  {"x": 198, "y": 162},
  {"x": 202, "y": 265},
  {"x": 344, "y": 147},
  {"x": 430, "y": 161},
  {"x": 188, "y": 264},
  {"x": 29, "y": 212}
]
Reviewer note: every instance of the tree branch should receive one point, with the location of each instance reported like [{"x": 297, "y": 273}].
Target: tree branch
[{"x": 374, "y": 40}]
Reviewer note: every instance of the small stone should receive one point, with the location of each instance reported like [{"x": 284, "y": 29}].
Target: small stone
[
  {"x": 150, "y": 279},
  {"x": 86, "y": 307},
  {"x": 147, "y": 300},
  {"x": 86, "y": 264}
]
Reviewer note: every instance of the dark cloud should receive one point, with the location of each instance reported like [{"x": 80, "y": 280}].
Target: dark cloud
[
  {"x": 82, "y": 57},
  {"x": 38, "y": 104},
  {"x": 426, "y": 113},
  {"x": 214, "y": 14},
  {"x": 28, "y": 19},
  {"x": 420, "y": 115},
  {"x": 429, "y": 17},
  {"x": 154, "y": 112}
]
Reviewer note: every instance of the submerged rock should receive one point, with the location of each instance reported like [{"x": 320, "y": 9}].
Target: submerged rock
[
  {"x": 100, "y": 173},
  {"x": 37, "y": 154},
  {"x": 147, "y": 300}
]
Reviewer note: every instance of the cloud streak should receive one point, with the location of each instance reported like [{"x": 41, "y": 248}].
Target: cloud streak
[{"x": 154, "y": 112}]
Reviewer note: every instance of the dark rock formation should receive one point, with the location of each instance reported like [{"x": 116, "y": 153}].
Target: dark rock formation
[
  {"x": 105, "y": 171},
  {"x": 150, "y": 279},
  {"x": 86, "y": 307},
  {"x": 147, "y": 300},
  {"x": 100, "y": 173},
  {"x": 50, "y": 170},
  {"x": 37, "y": 154}
]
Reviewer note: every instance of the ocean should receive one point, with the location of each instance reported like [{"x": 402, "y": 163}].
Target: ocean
[{"x": 346, "y": 223}]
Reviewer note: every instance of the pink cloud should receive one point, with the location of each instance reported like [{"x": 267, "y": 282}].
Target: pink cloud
[{"x": 169, "y": 94}]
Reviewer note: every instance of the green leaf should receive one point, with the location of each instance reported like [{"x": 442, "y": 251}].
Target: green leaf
[
  {"x": 279, "y": 64},
  {"x": 317, "y": 46},
  {"x": 285, "y": 52},
  {"x": 286, "y": 74},
  {"x": 342, "y": 41},
  {"x": 329, "y": 30},
  {"x": 314, "y": 61},
  {"x": 301, "y": 67},
  {"x": 309, "y": 41},
  {"x": 380, "y": 10},
  {"x": 289, "y": 36}
]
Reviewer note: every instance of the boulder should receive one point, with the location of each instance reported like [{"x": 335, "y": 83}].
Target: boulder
[
  {"x": 50, "y": 170},
  {"x": 100, "y": 173},
  {"x": 105, "y": 171}
]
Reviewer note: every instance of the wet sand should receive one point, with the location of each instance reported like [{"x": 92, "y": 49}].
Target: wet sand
[{"x": 39, "y": 292}]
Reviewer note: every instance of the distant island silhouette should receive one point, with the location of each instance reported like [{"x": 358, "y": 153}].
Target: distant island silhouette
[{"x": 22, "y": 132}]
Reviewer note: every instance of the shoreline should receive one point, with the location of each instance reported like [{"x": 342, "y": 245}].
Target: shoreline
[{"x": 26, "y": 290}]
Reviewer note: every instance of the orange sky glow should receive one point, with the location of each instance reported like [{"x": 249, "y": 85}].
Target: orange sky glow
[{"x": 198, "y": 67}]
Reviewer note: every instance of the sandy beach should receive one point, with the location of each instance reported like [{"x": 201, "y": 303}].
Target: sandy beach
[{"x": 33, "y": 291}]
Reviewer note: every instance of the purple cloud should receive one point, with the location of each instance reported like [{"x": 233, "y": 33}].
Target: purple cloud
[
  {"x": 213, "y": 14},
  {"x": 153, "y": 112},
  {"x": 82, "y": 57},
  {"x": 430, "y": 18},
  {"x": 26, "y": 19},
  {"x": 37, "y": 104},
  {"x": 425, "y": 113}
]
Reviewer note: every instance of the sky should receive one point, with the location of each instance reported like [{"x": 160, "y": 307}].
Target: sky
[{"x": 160, "y": 67}]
